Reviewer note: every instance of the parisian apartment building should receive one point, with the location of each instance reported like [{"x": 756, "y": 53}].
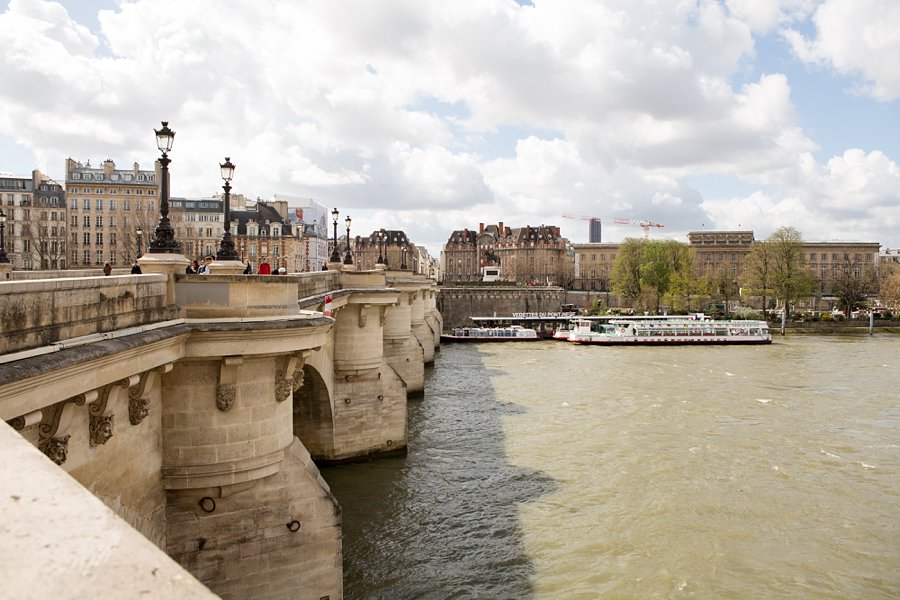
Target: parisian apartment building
[{"x": 102, "y": 213}]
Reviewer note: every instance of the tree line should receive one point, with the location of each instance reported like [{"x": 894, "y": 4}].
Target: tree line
[{"x": 652, "y": 274}]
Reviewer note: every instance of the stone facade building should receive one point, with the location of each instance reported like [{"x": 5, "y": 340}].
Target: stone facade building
[
  {"x": 392, "y": 245},
  {"x": 593, "y": 266},
  {"x": 535, "y": 256},
  {"x": 198, "y": 223},
  {"x": 728, "y": 249},
  {"x": 528, "y": 255},
  {"x": 35, "y": 232},
  {"x": 112, "y": 212}
]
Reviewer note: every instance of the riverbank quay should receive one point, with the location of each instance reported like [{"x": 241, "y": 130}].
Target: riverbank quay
[{"x": 834, "y": 328}]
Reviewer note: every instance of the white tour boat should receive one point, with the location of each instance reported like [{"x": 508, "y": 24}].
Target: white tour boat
[
  {"x": 513, "y": 333},
  {"x": 667, "y": 331}
]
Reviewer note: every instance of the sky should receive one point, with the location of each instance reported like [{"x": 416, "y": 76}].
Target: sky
[{"x": 431, "y": 116}]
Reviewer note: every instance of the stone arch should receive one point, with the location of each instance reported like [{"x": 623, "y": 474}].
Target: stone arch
[{"x": 313, "y": 417}]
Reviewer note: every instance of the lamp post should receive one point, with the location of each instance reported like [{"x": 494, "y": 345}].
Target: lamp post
[
  {"x": 403, "y": 258},
  {"x": 164, "y": 237},
  {"x": 335, "y": 253},
  {"x": 226, "y": 246},
  {"x": 348, "y": 258},
  {"x": 380, "y": 238},
  {"x": 140, "y": 241},
  {"x": 3, "y": 257}
]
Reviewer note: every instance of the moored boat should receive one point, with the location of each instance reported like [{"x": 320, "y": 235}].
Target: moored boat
[
  {"x": 670, "y": 331},
  {"x": 513, "y": 333}
]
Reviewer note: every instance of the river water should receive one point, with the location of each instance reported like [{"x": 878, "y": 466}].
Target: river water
[{"x": 550, "y": 470}]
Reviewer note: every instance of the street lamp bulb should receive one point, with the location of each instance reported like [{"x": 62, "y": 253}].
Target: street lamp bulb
[
  {"x": 140, "y": 231},
  {"x": 227, "y": 169},
  {"x": 347, "y": 221},
  {"x": 164, "y": 137},
  {"x": 334, "y": 215}
]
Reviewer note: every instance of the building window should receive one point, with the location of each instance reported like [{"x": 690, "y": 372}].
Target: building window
[
  {"x": 86, "y": 238},
  {"x": 86, "y": 221},
  {"x": 86, "y": 257},
  {"x": 99, "y": 238},
  {"x": 99, "y": 204},
  {"x": 99, "y": 221}
]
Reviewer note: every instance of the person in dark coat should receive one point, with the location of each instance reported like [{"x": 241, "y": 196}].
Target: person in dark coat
[
  {"x": 136, "y": 268},
  {"x": 107, "y": 268}
]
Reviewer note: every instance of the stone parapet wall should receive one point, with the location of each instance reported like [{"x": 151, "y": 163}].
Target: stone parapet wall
[
  {"x": 457, "y": 304},
  {"x": 45, "y": 311},
  {"x": 60, "y": 541}
]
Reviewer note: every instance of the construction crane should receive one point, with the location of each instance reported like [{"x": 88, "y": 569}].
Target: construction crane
[
  {"x": 593, "y": 230},
  {"x": 646, "y": 225},
  {"x": 568, "y": 216}
]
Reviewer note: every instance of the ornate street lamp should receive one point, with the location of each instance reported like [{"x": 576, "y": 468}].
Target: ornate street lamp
[
  {"x": 140, "y": 240},
  {"x": 348, "y": 258},
  {"x": 380, "y": 238},
  {"x": 226, "y": 246},
  {"x": 3, "y": 257},
  {"x": 335, "y": 253},
  {"x": 403, "y": 258},
  {"x": 164, "y": 237}
]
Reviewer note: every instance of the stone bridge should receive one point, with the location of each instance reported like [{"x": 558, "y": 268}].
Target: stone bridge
[{"x": 194, "y": 407}]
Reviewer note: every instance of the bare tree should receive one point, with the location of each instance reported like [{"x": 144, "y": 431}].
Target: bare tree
[
  {"x": 851, "y": 282},
  {"x": 48, "y": 241},
  {"x": 126, "y": 244},
  {"x": 889, "y": 285}
]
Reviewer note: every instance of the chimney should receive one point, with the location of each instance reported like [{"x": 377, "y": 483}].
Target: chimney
[
  {"x": 108, "y": 167},
  {"x": 481, "y": 228},
  {"x": 500, "y": 227}
]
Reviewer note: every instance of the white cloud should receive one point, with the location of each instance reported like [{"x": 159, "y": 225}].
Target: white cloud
[
  {"x": 857, "y": 37},
  {"x": 765, "y": 15},
  {"x": 437, "y": 116}
]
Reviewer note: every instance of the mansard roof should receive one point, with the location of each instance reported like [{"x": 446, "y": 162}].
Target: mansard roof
[{"x": 462, "y": 236}]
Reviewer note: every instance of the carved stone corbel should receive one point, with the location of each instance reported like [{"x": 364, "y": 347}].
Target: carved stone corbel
[
  {"x": 138, "y": 402},
  {"x": 100, "y": 424},
  {"x": 362, "y": 315},
  {"x": 289, "y": 376},
  {"x": 57, "y": 447},
  {"x": 226, "y": 390},
  {"x": 382, "y": 315}
]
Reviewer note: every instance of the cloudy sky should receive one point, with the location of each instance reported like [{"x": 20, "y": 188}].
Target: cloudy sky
[{"x": 432, "y": 115}]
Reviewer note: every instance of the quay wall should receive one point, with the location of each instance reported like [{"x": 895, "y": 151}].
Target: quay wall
[{"x": 457, "y": 304}]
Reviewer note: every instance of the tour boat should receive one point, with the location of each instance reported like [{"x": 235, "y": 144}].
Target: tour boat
[
  {"x": 513, "y": 333},
  {"x": 669, "y": 331},
  {"x": 564, "y": 331}
]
